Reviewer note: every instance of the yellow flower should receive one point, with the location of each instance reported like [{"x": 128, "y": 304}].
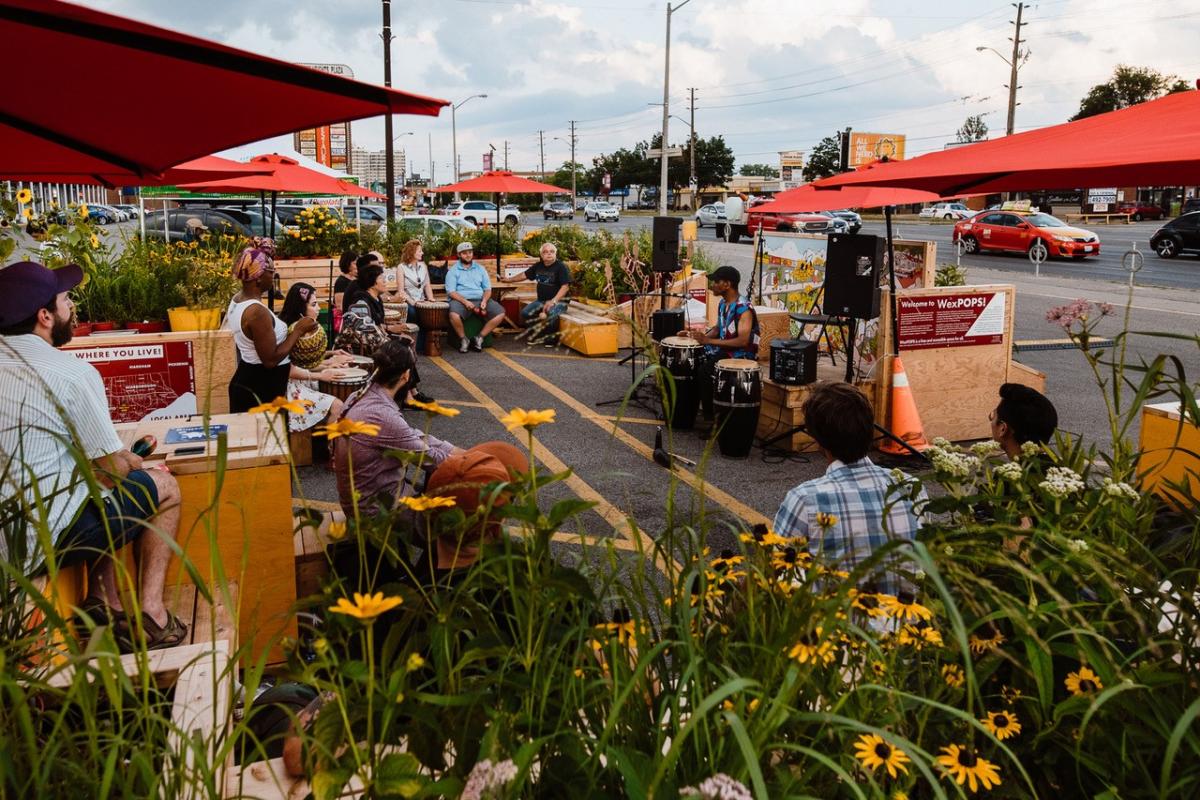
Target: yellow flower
[
  {"x": 282, "y": 404},
  {"x": 320, "y": 645},
  {"x": 1083, "y": 682},
  {"x": 826, "y": 520},
  {"x": 578, "y": 672},
  {"x": 83, "y": 210},
  {"x": 1010, "y": 694},
  {"x": 768, "y": 539},
  {"x": 399, "y": 698},
  {"x": 879, "y": 668},
  {"x": 293, "y": 233},
  {"x": 919, "y": 637},
  {"x": 904, "y": 608},
  {"x": 28, "y": 213},
  {"x": 24, "y": 196},
  {"x": 867, "y": 602},
  {"x": 727, "y": 705},
  {"x": 898, "y": 795},
  {"x": 434, "y": 408},
  {"x": 953, "y": 675},
  {"x": 964, "y": 766},
  {"x": 337, "y": 529},
  {"x": 414, "y": 662},
  {"x": 95, "y": 240},
  {"x": 366, "y": 606},
  {"x": 874, "y": 752},
  {"x": 623, "y": 626},
  {"x": 753, "y": 706},
  {"x": 1002, "y": 724},
  {"x": 520, "y": 418},
  {"x": 426, "y": 503},
  {"x": 980, "y": 645},
  {"x": 812, "y": 647},
  {"x": 791, "y": 558},
  {"x": 346, "y": 427}
]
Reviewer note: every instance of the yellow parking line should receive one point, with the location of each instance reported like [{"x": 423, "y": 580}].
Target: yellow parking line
[
  {"x": 464, "y": 403},
  {"x": 528, "y": 354},
  {"x": 611, "y": 514},
  {"x": 697, "y": 483},
  {"x": 639, "y": 420}
]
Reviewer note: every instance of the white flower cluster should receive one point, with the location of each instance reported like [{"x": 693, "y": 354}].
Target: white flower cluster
[
  {"x": 1119, "y": 490},
  {"x": 1077, "y": 546},
  {"x": 1030, "y": 449},
  {"x": 1010, "y": 470},
  {"x": 953, "y": 463},
  {"x": 487, "y": 779},
  {"x": 942, "y": 443},
  {"x": 1061, "y": 482},
  {"x": 984, "y": 449},
  {"x": 718, "y": 787}
]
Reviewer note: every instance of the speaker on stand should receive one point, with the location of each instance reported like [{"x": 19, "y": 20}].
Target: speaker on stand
[{"x": 852, "y": 269}]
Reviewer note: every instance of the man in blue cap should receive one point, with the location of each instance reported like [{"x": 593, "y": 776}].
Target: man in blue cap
[{"x": 54, "y": 425}]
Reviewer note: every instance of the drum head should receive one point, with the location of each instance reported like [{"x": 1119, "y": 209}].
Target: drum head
[
  {"x": 737, "y": 363},
  {"x": 431, "y": 304},
  {"x": 365, "y": 363},
  {"x": 679, "y": 341},
  {"x": 351, "y": 375}
]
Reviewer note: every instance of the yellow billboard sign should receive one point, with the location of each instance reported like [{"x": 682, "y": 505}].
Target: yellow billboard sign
[{"x": 868, "y": 147}]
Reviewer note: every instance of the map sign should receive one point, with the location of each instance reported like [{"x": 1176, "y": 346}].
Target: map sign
[
  {"x": 951, "y": 320},
  {"x": 155, "y": 381}
]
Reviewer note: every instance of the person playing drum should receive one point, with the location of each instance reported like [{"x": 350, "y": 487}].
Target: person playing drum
[
  {"x": 309, "y": 361},
  {"x": 734, "y": 336}
]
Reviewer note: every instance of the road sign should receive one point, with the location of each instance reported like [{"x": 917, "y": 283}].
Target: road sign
[{"x": 672, "y": 152}]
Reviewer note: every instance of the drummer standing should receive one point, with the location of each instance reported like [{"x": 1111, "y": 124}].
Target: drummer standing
[
  {"x": 470, "y": 292},
  {"x": 734, "y": 336}
]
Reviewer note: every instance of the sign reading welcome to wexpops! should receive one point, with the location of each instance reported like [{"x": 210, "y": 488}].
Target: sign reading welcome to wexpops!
[{"x": 951, "y": 320}]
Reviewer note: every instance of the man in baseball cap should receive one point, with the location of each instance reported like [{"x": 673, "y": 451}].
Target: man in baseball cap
[
  {"x": 53, "y": 409},
  {"x": 469, "y": 290}
]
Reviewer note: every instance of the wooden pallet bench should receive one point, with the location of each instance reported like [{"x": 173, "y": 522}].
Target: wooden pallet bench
[{"x": 1105, "y": 218}]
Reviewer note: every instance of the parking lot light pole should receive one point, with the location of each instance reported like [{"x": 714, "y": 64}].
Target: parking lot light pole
[
  {"x": 454, "y": 133},
  {"x": 662, "y": 180}
]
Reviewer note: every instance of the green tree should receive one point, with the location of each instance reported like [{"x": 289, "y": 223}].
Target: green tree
[
  {"x": 562, "y": 176},
  {"x": 825, "y": 159},
  {"x": 1128, "y": 87},
  {"x": 973, "y": 130},
  {"x": 759, "y": 170}
]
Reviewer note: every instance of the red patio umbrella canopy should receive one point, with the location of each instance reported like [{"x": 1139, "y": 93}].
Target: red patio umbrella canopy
[
  {"x": 811, "y": 198},
  {"x": 189, "y": 97},
  {"x": 503, "y": 182},
  {"x": 1156, "y": 143},
  {"x": 208, "y": 168},
  {"x": 287, "y": 175}
]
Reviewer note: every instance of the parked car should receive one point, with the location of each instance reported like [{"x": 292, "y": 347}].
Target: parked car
[
  {"x": 946, "y": 211},
  {"x": 253, "y": 218},
  {"x": 558, "y": 211},
  {"x": 851, "y": 218},
  {"x": 129, "y": 209},
  {"x": 1180, "y": 235},
  {"x": 432, "y": 224},
  {"x": 740, "y": 221},
  {"x": 481, "y": 212},
  {"x": 601, "y": 212},
  {"x": 1020, "y": 231},
  {"x": 222, "y": 221},
  {"x": 1191, "y": 204},
  {"x": 1140, "y": 211},
  {"x": 103, "y": 215},
  {"x": 709, "y": 214}
]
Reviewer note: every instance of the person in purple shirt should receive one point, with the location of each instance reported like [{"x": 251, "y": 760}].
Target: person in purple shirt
[{"x": 374, "y": 471}]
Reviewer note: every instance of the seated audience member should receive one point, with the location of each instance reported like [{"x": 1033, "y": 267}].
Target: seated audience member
[
  {"x": 368, "y": 303},
  {"x": 553, "y": 284},
  {"x": 1023, "y": 415},
  {"x": 469, "y": 290},
  {"x": 348, "y": 266},
  {"x": 309, "y": 362},
  {"x": 374, "y": 471},
  {"x": 850, "y": 511},
  {"x": 52, "y": 405},
  {"x": 465, "y": 477}
]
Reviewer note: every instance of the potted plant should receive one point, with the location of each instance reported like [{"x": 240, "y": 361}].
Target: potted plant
[{"x": 206, "y": 287}]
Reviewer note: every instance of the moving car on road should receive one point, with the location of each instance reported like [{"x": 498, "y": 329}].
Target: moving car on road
[
  {"x": 1140, "y": 211},
  {"x": 482, "y": 212},
  {"x": 740, "y": 221},
  {"x": 1020, "y": 231},
  {"x": 601, "y": 212},
  {"x": 946, "y": 211},
  {"x": 558, "y": 211},
  {"x": 710, "y": 214},
  {"x": 851, "y": 218},
  {"x": 1180, "y": 235}
]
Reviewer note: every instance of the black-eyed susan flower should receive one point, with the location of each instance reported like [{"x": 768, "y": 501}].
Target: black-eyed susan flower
[
  {"x": 980, "y": 645},
  {"x": 874, "y": 751},
  {"x": 867, "y": 602},
  {"x": 520, "y": 418},
  {"x": 953, "y": 675},
  {"x": 282, "y": 404},
  {"x": 414, "y": 662},
  {"x": 791, "y": 558},
  {"x": 1010, "y": 695},
  {"x": 762, "y": 536},
  {"x": 899, "y": 795},
  {"x": 365, "y": 607},
  {"x": 726, "y": 561},
  {"x": 434, "y": 408},
  {"x": 83, "y": 210},
  {"x": 964, "y": 766},
  {"x": 813, "y": 647},
  {"x": 24, "y": 196},
  {"x": 622, "y": 626},
  {"x": 1083, "y": 682},
  {"x": 905, "y": 608},
  {"x": 347, "y": 427},
  {"x": 825, "y": 520},
  {"x": 337, "y": 529},
  {"x": 879, "y": 668},
  {"x": 1002, "y": 724},
  {"x": 919, "y": 636},
  {"x": 426, "y": 503}
]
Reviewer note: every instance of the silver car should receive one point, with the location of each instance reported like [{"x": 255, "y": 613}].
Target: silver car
[
  {"x": 710, "y": 214},
  {"x": 601, "y": 212}
]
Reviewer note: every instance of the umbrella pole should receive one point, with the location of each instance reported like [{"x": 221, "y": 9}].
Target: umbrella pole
[
  {"x": 497, "y": 196},
  {"x": 274, "y": 199},
  {"x": 891, "y": 257},
  {"x": 142, "y": 214},
  {"x": 262, "y": 207}
]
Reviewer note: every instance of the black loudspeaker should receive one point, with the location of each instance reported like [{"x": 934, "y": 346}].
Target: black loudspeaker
[
  {"x": 666, "y": 244},
  {"x": 665, "y": 322},
  {"x": 852, "y": 266},
  {"x": 793, "y": 361}
]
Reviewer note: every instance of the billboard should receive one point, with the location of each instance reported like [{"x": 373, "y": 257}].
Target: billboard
[
  {"x": 328, "y": 144},
  {"x": 791, "y": 168},
  {"x": 868, "y": 147}
]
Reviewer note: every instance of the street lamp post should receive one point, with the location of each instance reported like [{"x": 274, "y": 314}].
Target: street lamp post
[
  {"x": 454, "y": 133},
  {"x": 1014, "y": 64},
  {"x": 662, "y": 179},
  {"x": 692, "y": 182},
  {"x": 389, "y": 165},
  {"x": 391, "y": 155}
]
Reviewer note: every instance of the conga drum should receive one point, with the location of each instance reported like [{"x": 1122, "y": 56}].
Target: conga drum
[
  {"x": 737, "y": 398},
  {"x": 351, "y": 380},
  {"x": 678, "y": 355},
  {"x": 434, "y": 317}
]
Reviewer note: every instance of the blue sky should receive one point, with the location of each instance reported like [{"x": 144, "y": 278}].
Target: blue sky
[{"x": 769, "y": 74}]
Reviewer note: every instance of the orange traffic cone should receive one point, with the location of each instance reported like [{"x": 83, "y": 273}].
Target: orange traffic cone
[{"x": 906, "y": 422}]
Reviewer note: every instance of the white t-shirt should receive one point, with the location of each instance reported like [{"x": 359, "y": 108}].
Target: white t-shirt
[
  {"x": 245, "y": 345},
  {"x": 49, "y": 401}
]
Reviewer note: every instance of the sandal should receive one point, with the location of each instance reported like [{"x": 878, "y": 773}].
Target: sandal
[
  {"x": 160, "y": 637},
  {"x": 98, "y": 613}
]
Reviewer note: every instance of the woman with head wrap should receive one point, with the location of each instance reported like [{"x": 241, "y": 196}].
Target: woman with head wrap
[
  {"x": 309, "y": 361},
  {"x": 262, "y": 340}
]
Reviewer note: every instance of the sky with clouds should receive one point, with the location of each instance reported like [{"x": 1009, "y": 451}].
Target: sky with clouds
[{"x": 769, "y": 75}]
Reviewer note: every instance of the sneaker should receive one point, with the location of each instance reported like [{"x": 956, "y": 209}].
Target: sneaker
[
  {"x": 463, "y": 345},
  {"x": 477, "y": 344},
  {"x": 550, "y": 341}
]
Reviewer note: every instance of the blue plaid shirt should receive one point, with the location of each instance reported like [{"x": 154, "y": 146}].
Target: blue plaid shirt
[{"x": 867, "y": 517}]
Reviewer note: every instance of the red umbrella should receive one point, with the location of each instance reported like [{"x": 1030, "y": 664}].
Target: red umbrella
[
  {"x": 1156, "y": 143},
  {"x": 286, "y": 175},
  {"x": 208, "y": 168},
  {"x": 501, "y": 181},
  {"x": 192, "y": 96},
  {"x": 813, "y": 198}
]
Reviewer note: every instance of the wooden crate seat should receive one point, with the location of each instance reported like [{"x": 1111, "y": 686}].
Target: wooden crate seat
[{"x": 588, "y": 334}]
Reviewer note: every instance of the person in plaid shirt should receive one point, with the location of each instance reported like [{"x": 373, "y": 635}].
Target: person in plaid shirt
[{"x": 853, "y": 508}]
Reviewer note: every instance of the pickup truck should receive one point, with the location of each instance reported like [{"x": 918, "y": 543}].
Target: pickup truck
[{"x": 741, "y": 220}]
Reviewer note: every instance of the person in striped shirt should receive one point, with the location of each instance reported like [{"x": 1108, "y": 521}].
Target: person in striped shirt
[{"x": 57, "y": 444}]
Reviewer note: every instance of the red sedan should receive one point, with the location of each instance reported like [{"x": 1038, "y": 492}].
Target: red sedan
[
  {"x": 1019, "y": 231},
  {"x": 1140, "y": 211}
]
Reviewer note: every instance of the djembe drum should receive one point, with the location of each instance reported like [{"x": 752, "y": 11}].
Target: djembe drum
[
  {"x": 434, "y": 318},
  {"x": 349, "y": 382}
]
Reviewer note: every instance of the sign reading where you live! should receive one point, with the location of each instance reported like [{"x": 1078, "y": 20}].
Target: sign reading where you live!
[
  {"x": 951, "y": 320},
  {"x": 151, "y": 381}
]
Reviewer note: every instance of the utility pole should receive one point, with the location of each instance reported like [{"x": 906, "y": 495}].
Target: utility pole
[
  {"x": 432, "y": 184},
  {"x": 1014, "y": 64},
  {"x": 389, "y": 164},
  {"x": 694, "y": 183},
  {"x": 506, "y": 154},
  {"x": 662, "y": 179},
  {"x": 573, "y": 170},
  {"x": 542, "y": 153}
]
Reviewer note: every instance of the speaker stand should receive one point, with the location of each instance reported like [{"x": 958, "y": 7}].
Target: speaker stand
[{"x": 636, "y": 393}]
